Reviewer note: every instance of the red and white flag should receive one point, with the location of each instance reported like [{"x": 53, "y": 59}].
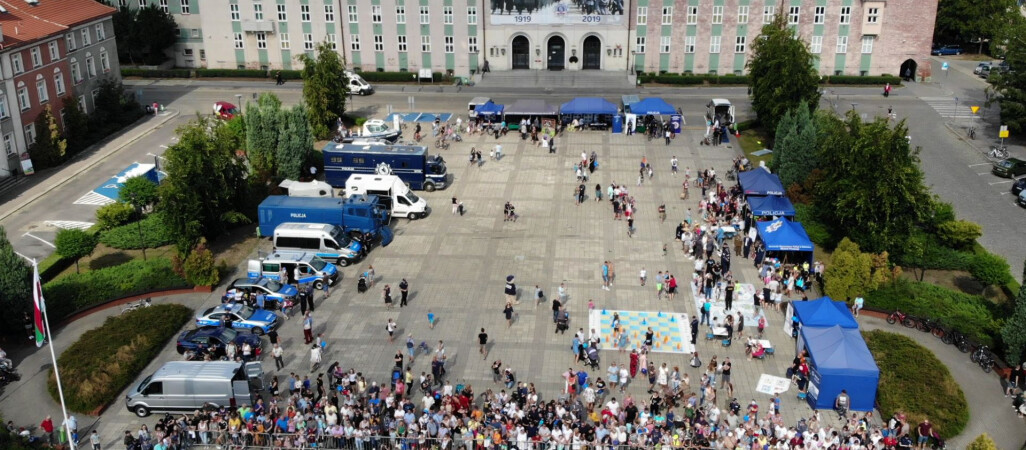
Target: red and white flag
[{"x": 38, "y": 306}]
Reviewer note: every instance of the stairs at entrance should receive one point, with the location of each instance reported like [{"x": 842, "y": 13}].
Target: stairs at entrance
[{"x": 545, "y": 80}]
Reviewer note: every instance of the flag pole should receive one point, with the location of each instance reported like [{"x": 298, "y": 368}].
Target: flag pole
[{"x": 38, "y": 292}]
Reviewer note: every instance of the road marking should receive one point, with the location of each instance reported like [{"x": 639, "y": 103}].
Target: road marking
[
  {"x": 92, "y": 198},
  {"x": 69, "y": 224},
  {"x": 1005, "y": 193},
  {"x": 1001, "y": 182},
  {"x": 26, "y": 257},
  {"x": 980, "y": 164},
  {"x": 40, "y": 239},
  {"x": 947, "y": 107},
  {"x": 162, "y": 146},
  {"x": 983, "y": 173}
]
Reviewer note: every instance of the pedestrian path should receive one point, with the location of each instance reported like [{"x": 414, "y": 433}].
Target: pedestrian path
[
  {"x": 69, "y": 224},
  {"x": 92, "y": 198},
  {"x": 949, "y": 107}
]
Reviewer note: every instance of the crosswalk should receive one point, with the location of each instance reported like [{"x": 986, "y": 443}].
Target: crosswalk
[
  {"x": 92, "y": 198},
  {"x": 947, "y": 107},
  {"x": 69, "y": 224}
]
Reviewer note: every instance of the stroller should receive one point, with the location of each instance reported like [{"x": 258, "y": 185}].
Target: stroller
[
  {"x": 563, "y": 322},
  {"x": 593, "y": 357},
  {"x": 361, "y": 285}
]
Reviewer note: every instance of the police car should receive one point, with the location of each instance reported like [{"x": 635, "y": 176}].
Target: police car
[
  {"x": 238, "y": 316},
  {"x": 274, "y": 292}
]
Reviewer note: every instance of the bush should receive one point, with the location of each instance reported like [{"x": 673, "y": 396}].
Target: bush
[
  {"x": 990, "y": 269},
  {"x": 105, "y": 360},
  {"x": 396, "y": 77},
  {"x": 73, "y": 292},
  {"x": 818, "y": 233},
  {"x": 233, "y": 73},
  {"x": 959, "y": 234},
  {"x": 127, "y": 236},
  {"x": 200, "y": 268},
  {"x": 982, "y": 442},
  {"x": 970, "y": 314},
  {"x": 114, "y": 214},
  {"x": 905, "y": 387},
  {"x": 147, "y": 73},
  {"x": 855, "y": 79},
  {"x": 75, "y": 244}
]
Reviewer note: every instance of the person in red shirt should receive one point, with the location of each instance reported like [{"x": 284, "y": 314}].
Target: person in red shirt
[
  {"x": 925, "y": 430},
  {"x": 47, "y": 426}
]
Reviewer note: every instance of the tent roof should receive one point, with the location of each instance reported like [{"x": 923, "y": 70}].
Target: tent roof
[
  {"x": 824, "y": 312},
  {"x": 654, "y": 106},
  {"x": 760, "y": 182},
  {"x": 770, "y": 206},
  {"x": 489, "y": 108},
  {"x": 784, "y": 235},
  {"x": 836, "y": 350},
  {"x": 531, "y": 107},
  {"x": 588, "y": 105}
]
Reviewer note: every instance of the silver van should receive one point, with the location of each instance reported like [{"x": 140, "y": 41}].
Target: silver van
[
  {"x": 191, "y": 385},
  {"x": 326, "y": 241}
]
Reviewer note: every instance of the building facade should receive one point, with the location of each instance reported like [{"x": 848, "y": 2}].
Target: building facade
[{"x": 50, "y": 50}]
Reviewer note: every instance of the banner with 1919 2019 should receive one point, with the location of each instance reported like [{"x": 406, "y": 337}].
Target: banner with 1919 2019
[{"x": 553, "y": 12}]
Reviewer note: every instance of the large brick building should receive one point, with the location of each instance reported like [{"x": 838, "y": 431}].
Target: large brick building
[{"x": 49, "y": 50}]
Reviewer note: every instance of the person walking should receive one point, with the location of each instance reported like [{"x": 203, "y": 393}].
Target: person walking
[
  {"x": 47, "y": 426},
  {"x": 509, "y": 313},
  {"x": 482, "y": 341},
  {"x": 390, "y": 327},
  {"x": 386, "y": 295},
  {"x": 666, "y": 134},
  {"x": 404, "y": 290},
  {"x": 694, "y": 330},
  {"x": 556, "y": 306},
  {"x": 511, "y": 290},
  {"x": 308, "y": 328},
  {"x": 455, "y": 204},
  {"x": 277, "y": 353},
  {"x": 673, "y": 165},
  {"x": 605, "y": 275},
  {"x": 315, "y": 357}
]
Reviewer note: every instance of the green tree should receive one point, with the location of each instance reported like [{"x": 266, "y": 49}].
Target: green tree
[
  {"x": 200, "y": 269},
  {"x": 324, "y": 90},
  {"x": 76, "y": 125},
  {"x": 990, "y": 269},
  {"x": 124, "y": 32},
  {"x": 114, "y": 214},
  {"x": 982, "y": 442},
  {"x": 74, "y": 243},
  {"x": 49, "y": 148},
  {"x": 113, "y": 107},
  {"x": 263, "y": 122},
  {"x": 781, "y": 73},
  {"x": 850, "y": 272},
  {"x": 1014, "y": 331},
  {"x": 872, "y": 186},
  {"x": 295, "y": 143},
  {"x": 150, "y": 32},
  {"x": 205, "y": 188},
  {"x": 15, "y": 284},
  {"x": 139, "y": 191},
  {"x": 794, "y": 150},
  {"x": 969, "y": 21},
  {"x": 1008, "y": 89},
  {"x": 959, "y": 234}
]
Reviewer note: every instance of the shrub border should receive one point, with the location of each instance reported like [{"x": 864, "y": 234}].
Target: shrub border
[{"x": 121, "y": 301}]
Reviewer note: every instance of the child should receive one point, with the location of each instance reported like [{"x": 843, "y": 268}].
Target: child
[
  {"x": 776, "y": 404},
  {"x": 431, "y": 319},
  {"x": 591, "y": 305},
  {"x": 643, "y": 276}
]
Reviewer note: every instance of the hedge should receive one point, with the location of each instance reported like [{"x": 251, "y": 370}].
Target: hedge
[
  {"x": 915, "y": 382},
  {"x": 863, "y": 80},
  {"x": 696, "y": 79},
  {"x": 97, "y": 367},
  {"x": 153, "y": 234},
  {"x": 210, "y": 73},
  {"x": 76, "y": 291},
  {"x": 973, "y": 315},
  {"x": 155, "y": 73},
  {"x": 396, "y": 77}
]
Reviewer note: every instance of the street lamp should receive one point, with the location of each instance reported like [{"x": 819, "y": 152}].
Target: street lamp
[{"x": 138, "y": 209}]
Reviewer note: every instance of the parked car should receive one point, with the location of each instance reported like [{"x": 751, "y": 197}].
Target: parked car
[
  {"x": 225, "y": 110},
  {"x": 238, "y": 316},
  {"x": 1021, "y": 200},
  {"x": 215, "y": 339},
  {"x": 947, "y": 50},
  {"x": 274, "y": 292},
  {"x": 982, "y": 67},
  {"x": 1019, "y": 186},
  {"x": 1011, "y": 168}
]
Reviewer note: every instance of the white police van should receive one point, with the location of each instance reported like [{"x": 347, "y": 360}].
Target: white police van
[{"x": 311, "y": 268}]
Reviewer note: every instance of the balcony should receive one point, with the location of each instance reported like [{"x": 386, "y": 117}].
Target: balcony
[{"x": 253, "y": 26}]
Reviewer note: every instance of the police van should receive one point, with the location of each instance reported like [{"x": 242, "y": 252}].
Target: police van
[
  {"x": 328, "y": 242},
  {"x": 311, "y": 268}
]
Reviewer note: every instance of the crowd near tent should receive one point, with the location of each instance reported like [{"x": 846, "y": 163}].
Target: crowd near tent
[
  {"x": 839, "y": 359},
  {"x": 823, "y": 312},
  {"x": 652, "y": 106},
  {"x": 771, "y": 206},
  {"x": 760, "y": 182}
]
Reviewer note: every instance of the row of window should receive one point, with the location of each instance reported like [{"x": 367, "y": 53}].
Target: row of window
[
  {"x": 30, "y": 129},
  {"x": 36, "y": 53},
  {"x": 42, "y": 92},
  {"x": 740, "y": 42},
  {"x": 425, "y": 43},
  {"x": 283, "y": 15},
  {"x": 400, "y": 14},
  {"x": 768, "y": 11},
  {"x": 283, "y": 41},
  {"x": 163, "y": 4}
]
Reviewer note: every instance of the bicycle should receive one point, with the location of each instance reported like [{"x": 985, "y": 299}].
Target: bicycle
[
  {"x": 971, "y": 132},
  {"x": 145, "y": 303},
  {"x": 1000, "y": 152},
  {"x": 442, "y": 144}
]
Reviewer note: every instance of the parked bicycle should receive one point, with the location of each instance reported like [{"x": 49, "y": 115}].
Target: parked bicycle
[
  {"x": 904, "y": 319},
  {"x": 999, "y": 152},
  {"x": 144, "y": 303},
  {"x": 971, "y": 132}
]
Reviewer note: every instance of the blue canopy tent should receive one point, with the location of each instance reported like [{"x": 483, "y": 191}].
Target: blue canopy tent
[
  {"x": 652, "y": 106},
  {"x": 839, "y": 359},
  {"x": 489, "y": 109},
  {"x": 822, "y": 312},
  {"x": 760, "y": 182},
  {"x": 590, "y": 112},
  {"x": 771, "y": 206},
  {"x": 782, "y": 235}
]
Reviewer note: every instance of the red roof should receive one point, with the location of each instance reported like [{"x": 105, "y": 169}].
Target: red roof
[{"x": 24, "y": 23}]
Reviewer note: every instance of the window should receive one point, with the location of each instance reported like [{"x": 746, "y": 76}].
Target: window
[
  {"x": 793, "y": 15},
  {"x": 283, "y": 15},
  {"x": 425, "y": 44},
  {"x": 308, "y": 42},
  {"x": 472, "y": 15},
  {"x": 379, "y": 43},
  {"x": 332, "y": 42},
  {"x": 447, "y": 15},
  {"x": 258, "y": 12},
  {"x": 37, "y": 56},
  {"x": 842, "y": 44},
  {"x": 90, "y": 66},
  {"x": 186, "y": 9},
  {"x": 16, "y": 64},
  {"x": 195, "y": 33},
  {"x": 867, "y": 44},
  {"x": 76, "y": 74},
  {"x": 9, "y": 142},
  {"x": 163, "y": 6},
  {"x": 104, "y": 61},
  {"x": 449, "y": 46},
  {"x": 642, "y": 15},
  {"x": 739, "y": 44},
  {"x": 122, "y": 3},
  {"x": 664, "y": 44},
  {"x": 4, "y": 112},
  {"x": 304, "y": 13},
  {"x": 872, "y": 15},
  {"x": 234, "y": 10},
  {"x": 472, "y": 44},
  {"x": 692, "y": 15},
  {"x": 283, "y": 41},
  {"x": 816, "y": 45},
  {"x": 402, "y": 43},
  {"x": 30, "y": 133},
  {"x": 667, "y": 15},
  {"x": 261, "y": 40},
  {"x": 101, "y": 33},
  {"x": 768, "y": 12},
  {"x": 689, "y": 44},
  {"x": 82, "y": 104},
  {"x": 639, "y": 44},
  {"x": 238, "y": 41},
  {"x": 375, "y": 13},
  {"x": 23, "y": 97},
  {"x": 845, "y": 15},
  {"x": 329, "y": 13},
  {"x": 425, "y": 15},
  {"x": 819, "y": 16},
  {"x": 717, "y": 15},
  {"x": 203, "y": 54},
  {"x": 714, "y": 44},
  {"x": 187, "y": 51},
  {"x": 742, "y": 15},
  {"x": 70, "y": 38},
  {"x": 354, "y": 42},
  {"x": 41, "y": 91},
  {"x": 352, "y": 14},
  {"x": 400, "y": 14},
  {"x": 142, "y": 3}
]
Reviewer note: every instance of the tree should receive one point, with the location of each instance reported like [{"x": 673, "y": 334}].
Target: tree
[
  {"x": 850, "y": 272},
  {"x": 113, "y": 107},
  {"x": 781, "y": 73},
  {"x": 205, "y": 188},
  {"x": 872, "y": 186},
  {"x": 50, "y": 147},
  {"x": 75, "y": 243},
  {"x": 76, "y": 125},
  {"x": 144, "y": 34},
  {"x": 1014, "y": 331},
  {"x": 959, "y": 234},
  {"x": 295, "y": 143},
  {"x": 15, "y": 284},
  {"x": 1008, "y": 88},
  {"x": 199, "y": 266},
  {"x": 324, "y": 90},
  {"x": 124, "y": 32},
  {"x": 139, "y": 191},
  {"x": 263, "y": 122},
  {"x": 969, "y": 21},
  {"x": 794, "y": 151},
  {"x": 982, "y": 442}
]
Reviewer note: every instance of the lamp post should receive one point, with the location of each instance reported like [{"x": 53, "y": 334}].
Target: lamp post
[{"x": 138, "y": 209}]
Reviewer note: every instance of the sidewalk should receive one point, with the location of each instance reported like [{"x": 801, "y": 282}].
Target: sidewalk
[{"x": 33, "y": 187}]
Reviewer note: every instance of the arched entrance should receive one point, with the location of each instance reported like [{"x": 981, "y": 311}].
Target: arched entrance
[
  {"x": 557, "y": 53},
  {"x": 908, "y": 70},
  {"x": 521, "y": 53},
  {"x": 592, "y": 53}
]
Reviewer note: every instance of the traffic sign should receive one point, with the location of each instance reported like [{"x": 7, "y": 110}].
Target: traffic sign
[
  {"x": 974, "y": 109},
  {"x": 944, "y": 66},
  {"x": 1004, "y": 132}
]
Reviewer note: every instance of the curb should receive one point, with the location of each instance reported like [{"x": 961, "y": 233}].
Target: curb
[{"x": 97, "y": 159}]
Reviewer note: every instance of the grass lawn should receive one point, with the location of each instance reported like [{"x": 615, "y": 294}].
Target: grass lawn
[{"x": 754, "y": 140}]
